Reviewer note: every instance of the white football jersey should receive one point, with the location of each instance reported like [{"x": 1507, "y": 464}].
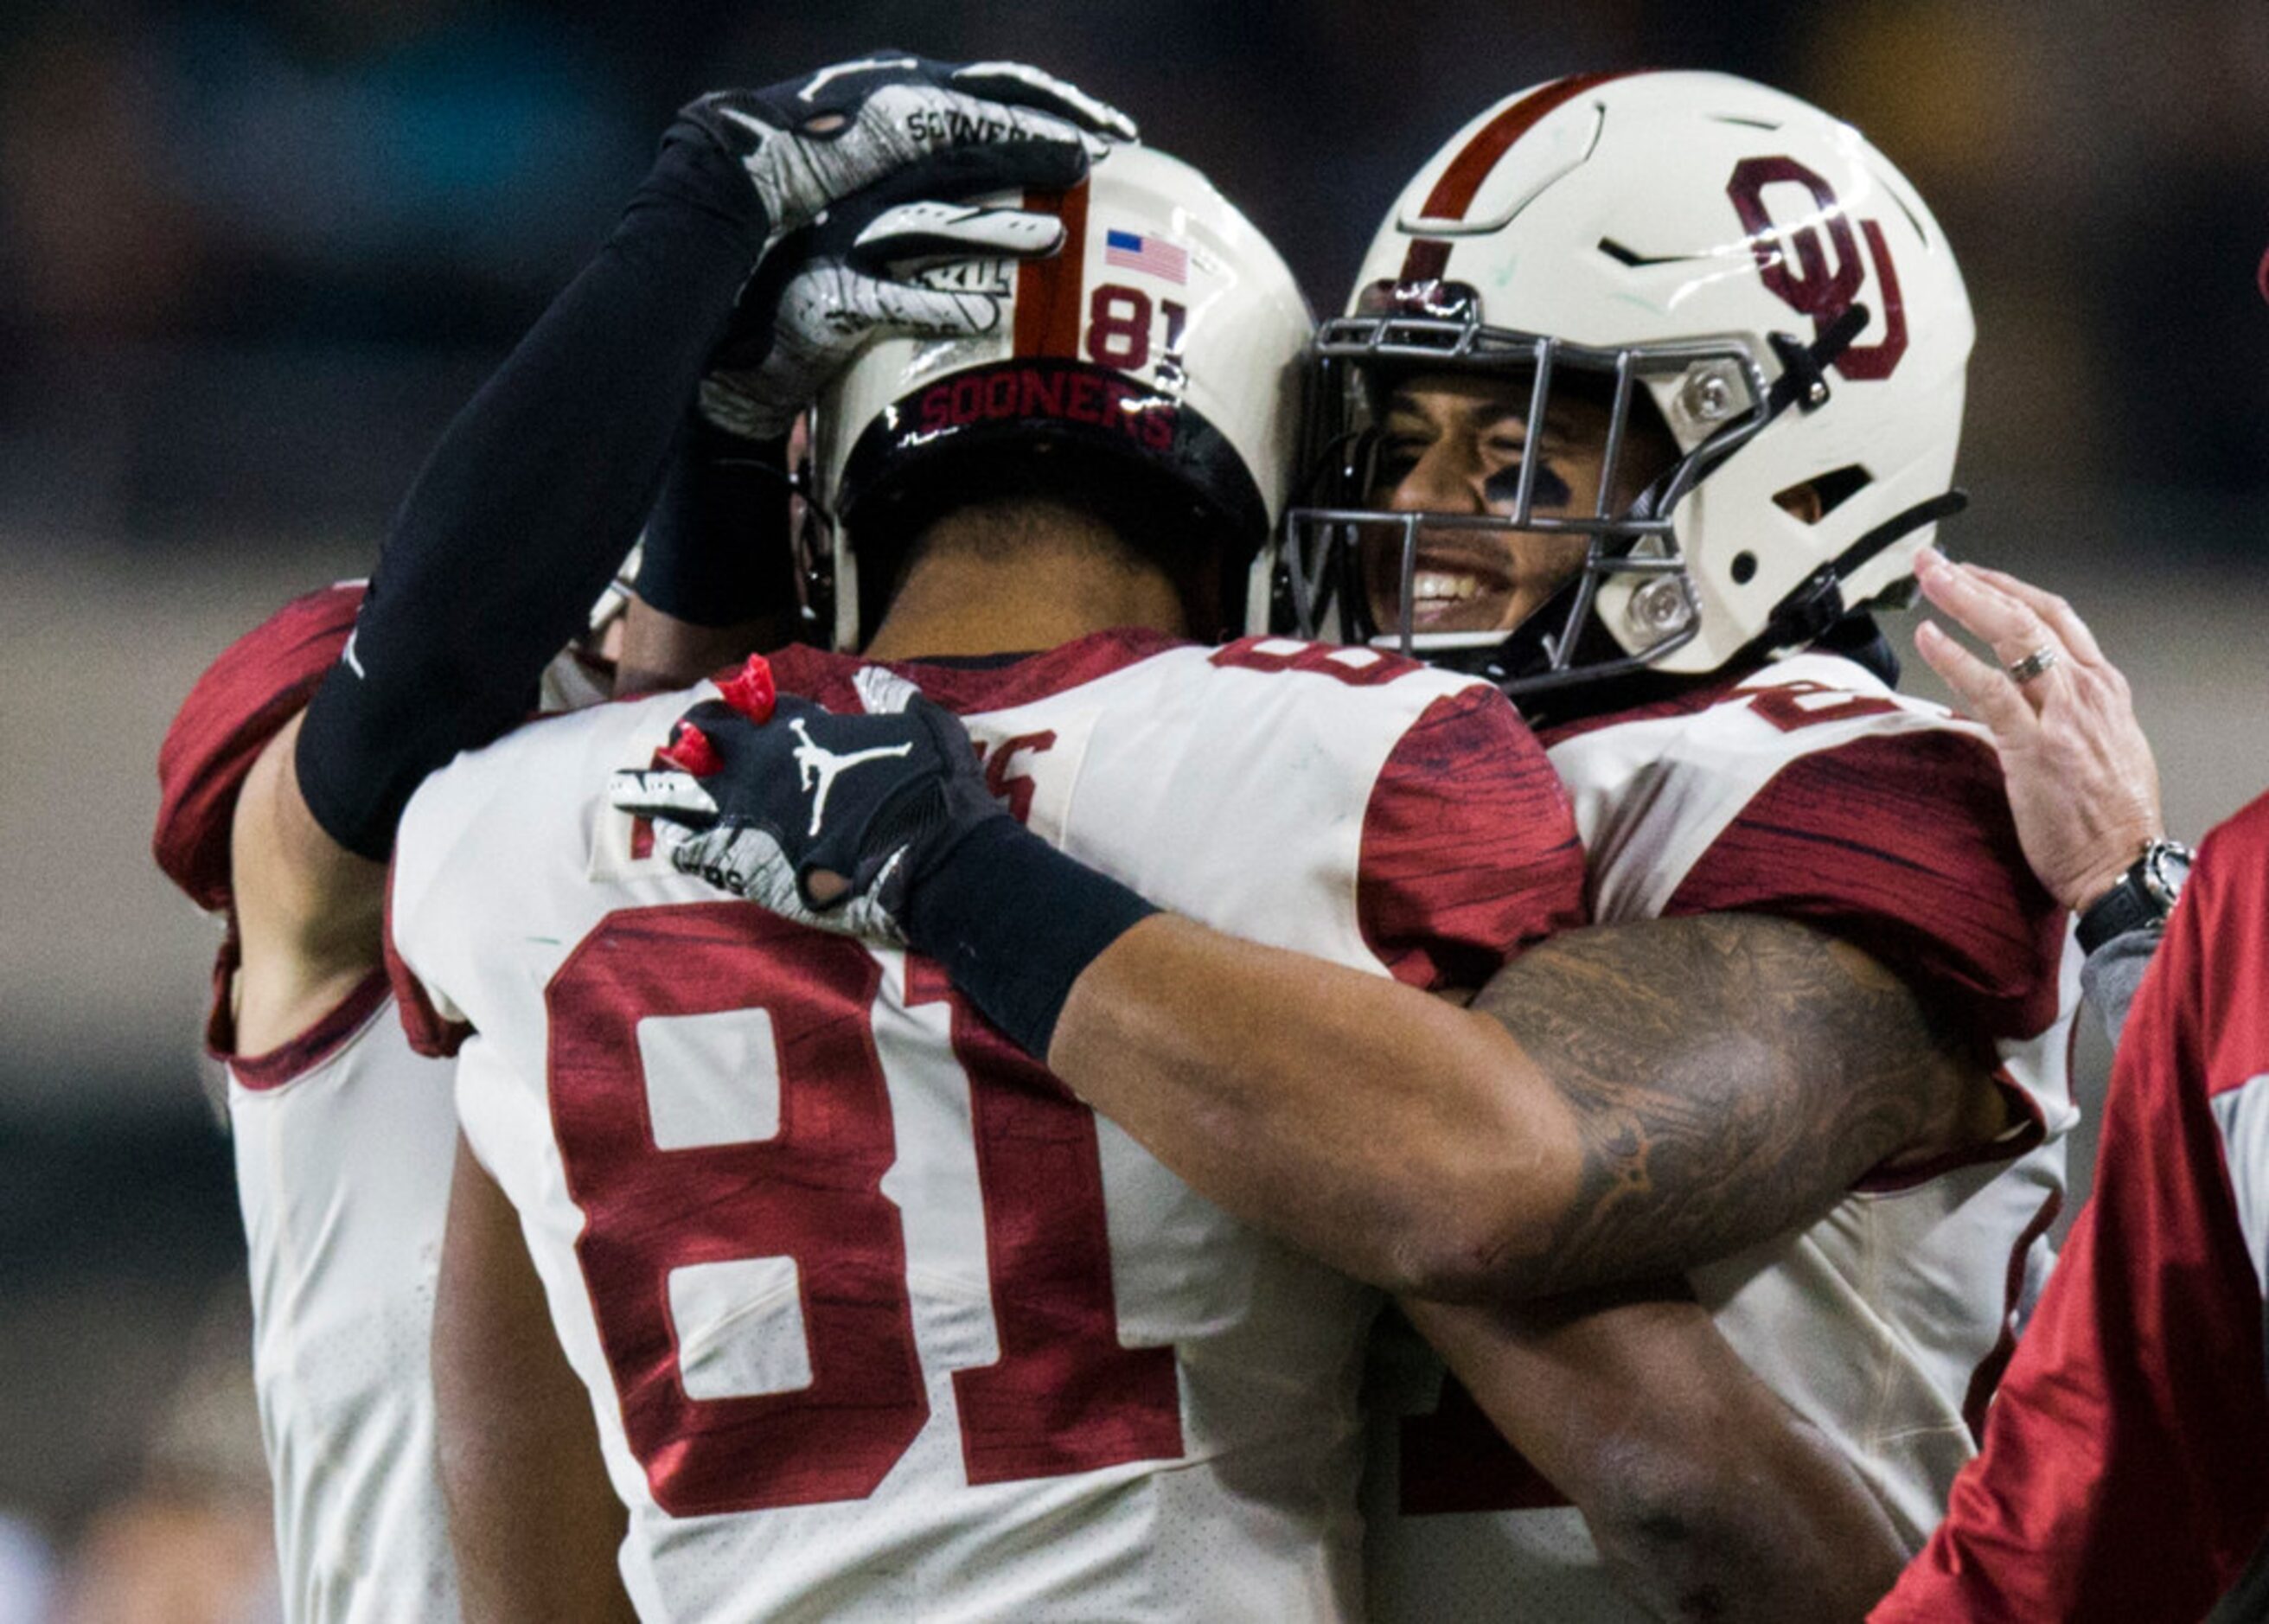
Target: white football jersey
[
  {"x": 1814, "y": 792},
  {"x": 343, "y": 1140},
  {"x": 879, "y": 1322}
]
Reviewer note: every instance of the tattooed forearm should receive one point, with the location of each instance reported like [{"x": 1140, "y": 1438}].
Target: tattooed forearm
[{"x": 1731, "y": 1075}]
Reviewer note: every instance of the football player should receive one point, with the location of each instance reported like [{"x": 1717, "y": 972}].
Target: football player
[
  {"x": 877, "y": 1322},
  {"x": 1620, "y": 429},
  {"x": 1652, "y": 385},
  {"x": 284, "y": 772}
]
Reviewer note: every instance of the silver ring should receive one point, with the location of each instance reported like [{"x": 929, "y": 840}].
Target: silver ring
[{"x": 2024, "y": 671}]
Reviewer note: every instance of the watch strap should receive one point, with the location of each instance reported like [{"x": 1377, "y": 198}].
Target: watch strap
[
  {"x": 2136, "y": 902},
  {"x": 2126, "y": 906}
]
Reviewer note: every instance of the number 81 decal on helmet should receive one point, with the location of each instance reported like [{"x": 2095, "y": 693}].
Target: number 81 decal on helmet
[{"x": 1153, "y": 365}]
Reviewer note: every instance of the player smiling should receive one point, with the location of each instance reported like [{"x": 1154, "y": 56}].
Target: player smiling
[{"x": 1817, "y": 1064}]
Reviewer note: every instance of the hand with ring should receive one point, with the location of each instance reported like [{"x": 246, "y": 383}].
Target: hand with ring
[{"x": 2083, "y": 787}]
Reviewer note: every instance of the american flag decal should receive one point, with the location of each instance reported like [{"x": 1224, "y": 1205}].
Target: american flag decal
[{"x": 1152, "y": 255}]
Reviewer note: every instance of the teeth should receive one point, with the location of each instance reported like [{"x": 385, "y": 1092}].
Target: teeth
[{"x": 1441, "y": 587}]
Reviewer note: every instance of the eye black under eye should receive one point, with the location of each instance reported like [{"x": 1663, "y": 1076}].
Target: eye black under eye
[{"x": 1551, "y": 491}]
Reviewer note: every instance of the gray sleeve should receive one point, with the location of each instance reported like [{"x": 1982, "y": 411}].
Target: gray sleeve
[{"x": 2113, "y": 972}]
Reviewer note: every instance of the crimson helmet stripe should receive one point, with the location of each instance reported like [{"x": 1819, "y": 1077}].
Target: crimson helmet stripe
[
  {"x": 1428, "y": 261},
  {"x": 1048, "y": 291},
  {"x": 1453, "y": 193}
]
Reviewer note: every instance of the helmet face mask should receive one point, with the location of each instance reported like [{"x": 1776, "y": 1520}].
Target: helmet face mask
[
  {"x": 1769, "y": 327},
  {"x": 1150, "y": 372},
  {"x": 1351, "y": 569}
]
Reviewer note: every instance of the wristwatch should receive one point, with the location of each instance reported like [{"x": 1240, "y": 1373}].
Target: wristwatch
[{"x": 2144, "y": 897}]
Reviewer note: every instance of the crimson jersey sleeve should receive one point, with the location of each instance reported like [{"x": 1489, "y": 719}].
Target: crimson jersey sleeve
[
  {"x": 1469, "y": 849},
  {"x": 242, "y": 701},
  {"x": 1901, "y": 845},
  {"x": 2126, "y": 1471}
]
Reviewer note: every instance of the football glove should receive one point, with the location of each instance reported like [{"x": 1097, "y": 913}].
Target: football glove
[
  {"x": 972, "y": 128},
  {"x": 817, "y": 817},
  {"x": 872, "y": 266}
]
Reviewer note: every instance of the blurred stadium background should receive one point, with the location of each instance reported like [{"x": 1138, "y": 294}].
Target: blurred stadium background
[{"x": 255, "y": 253}]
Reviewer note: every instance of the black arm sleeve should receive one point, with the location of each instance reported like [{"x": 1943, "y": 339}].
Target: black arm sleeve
[
  {"x": 531, "y": 499},
  {"x": 717, "y": 548}
]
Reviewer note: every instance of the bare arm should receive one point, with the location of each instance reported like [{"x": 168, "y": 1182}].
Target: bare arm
[
  {"x": 716, "y": 576},
  {"x": 660, "y": 651},
  {"x": 1620, "y": 1102},
  {"x": 309, "y": 912},
  {"x": 534, "y": 1522},
  {"x": 1672, "y": 1090},
  {"x": 1731, "y": 1076},
  {"x": 1707, "y": 1496}
]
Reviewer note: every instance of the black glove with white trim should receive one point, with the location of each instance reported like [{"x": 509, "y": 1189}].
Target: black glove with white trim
[
  {"x": 972, "y": 127},
  {"x": 880, "y": 826},
  {"x": 872, "y": 266},
  {"x": 818, "y": 817}
]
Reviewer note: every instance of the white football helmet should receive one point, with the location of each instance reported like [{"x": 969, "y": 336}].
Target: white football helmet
[
  {"x": 1160, "y": 354},
  {"x": 1727, "y": 257}
]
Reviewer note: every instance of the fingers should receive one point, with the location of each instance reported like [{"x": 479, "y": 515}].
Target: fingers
[
  {"x": 1052, "y": 157},
  {"x": 843, "y": 77},
  {"x": 1986, "y": 691},
  {"x": 672, "y": 797},
  {"x": 751, "y": 691},
  {"x": 915, "y": 310},
  {"x": 690, "y": 750},
  {"x": 917, "y": 235},
  {"x": 2078, "y": 639},
  {"x": 1028, "y": 125},
  {"x": 2013, "y": 628},
  {"x": 1019, "y": 82},
  {"x": 927, "y": 121},
  {"x": 822, "y": 316},
  {"x": 990, "y": 277},
  {"x": 1985, "y": 612}
]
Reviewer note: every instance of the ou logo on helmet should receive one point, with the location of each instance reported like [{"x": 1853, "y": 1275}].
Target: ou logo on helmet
[{"x": 1815, "y": 279}]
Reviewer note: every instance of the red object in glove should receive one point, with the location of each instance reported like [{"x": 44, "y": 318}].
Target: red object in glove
[
  {"x": 2261, "y": 277},
  {"x": 690, "y": 751},
  {"x": 752, "y": 692}
]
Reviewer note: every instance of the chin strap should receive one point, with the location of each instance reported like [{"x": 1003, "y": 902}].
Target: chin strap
[{"x": 1817, "y": 602}]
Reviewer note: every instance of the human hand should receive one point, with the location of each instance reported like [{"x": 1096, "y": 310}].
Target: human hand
[
  {"x": 2083, "y": 786},
  {"x": 967, "y": 128},
  {"x": 873, "y": 267},
  {"x": 822, "y": 818}
]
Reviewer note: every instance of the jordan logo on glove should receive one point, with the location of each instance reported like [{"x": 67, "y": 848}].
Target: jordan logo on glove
[
  {"x": 755, "y": 794},
  {"x": 918, "y": 851},
  {"x": 816, "y": 764}
]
